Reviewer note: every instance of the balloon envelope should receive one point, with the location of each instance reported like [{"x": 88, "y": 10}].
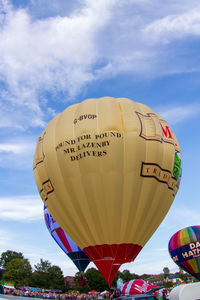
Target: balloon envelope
[
  {"x": 79, "y": 258},
  {"x": 184, "y": 248},
  {"x": 136, "y": 286},
  {"x": 108, "y": 170}
]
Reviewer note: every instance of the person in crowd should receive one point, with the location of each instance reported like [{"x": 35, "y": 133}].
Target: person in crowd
[{"x": 1, "y": 289}]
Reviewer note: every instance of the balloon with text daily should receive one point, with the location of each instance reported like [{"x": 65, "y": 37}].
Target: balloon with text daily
[
  {"x": 108, "y": 170},
  {"x": 79, "y": 258},
  {"x": 184, "y": 249}
]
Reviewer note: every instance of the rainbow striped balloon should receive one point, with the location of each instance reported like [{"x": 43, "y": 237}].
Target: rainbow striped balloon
[{"x": 184, "y": 248}]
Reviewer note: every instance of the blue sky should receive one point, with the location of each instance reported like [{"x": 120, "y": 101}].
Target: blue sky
[{"x": 55, "y": 53}]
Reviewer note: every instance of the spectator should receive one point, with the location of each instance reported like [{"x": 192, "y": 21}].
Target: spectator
[{"x": 1, "y": 289}]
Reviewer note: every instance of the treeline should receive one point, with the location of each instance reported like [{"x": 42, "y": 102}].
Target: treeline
[{"x": 17, "y": 269}]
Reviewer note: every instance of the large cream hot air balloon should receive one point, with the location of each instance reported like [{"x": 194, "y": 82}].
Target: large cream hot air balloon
[{"x": 108, "y": 170}]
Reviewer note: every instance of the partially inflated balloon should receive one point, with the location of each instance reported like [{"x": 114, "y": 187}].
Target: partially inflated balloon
[
  {"x": 79, "y": 258},
  {"x": 136, "y": 287},
  {"x": 108, "y": 170},
  {"x": 184, "y": 248}
]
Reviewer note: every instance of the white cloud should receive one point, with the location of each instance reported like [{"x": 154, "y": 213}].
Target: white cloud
[
  {"x": 14, "y": 148},
  {"x": 91, "y": 41},
  {"x": 17, "y": 153},
  {"x": 46, "y": 55},
  {"x": 174, "y": 27},
  {"x": 150, "y": 267},
  {"x": 179, "y": 114},
  {"x": 21, "y": 208},
  {"x": 182, "y": 217},
  {"x": 6, "y": 238},
  {"x": 45, "y": 8}
]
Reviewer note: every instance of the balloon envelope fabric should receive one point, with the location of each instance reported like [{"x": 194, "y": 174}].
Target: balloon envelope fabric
[
  {"x": 136, "y": 286},
  {"x": 108, "y": 170},
  {"x": 184, "y": 248},
  {"x": 79, "y": 258}
]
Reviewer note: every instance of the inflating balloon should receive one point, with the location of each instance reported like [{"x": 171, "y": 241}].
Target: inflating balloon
[
  {"x": 184, "y": 248},
  {"x": 79, "y": 258},
  {"x": 136, "y": 287},
  {"x": 108, "y": 170}
]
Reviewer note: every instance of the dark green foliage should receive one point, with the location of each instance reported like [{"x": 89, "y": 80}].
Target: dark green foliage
[
  {"x": 19, "y": 271},
  {"x": 78, "y": 278},
  {"x": 7, "y": 256},
  {"x": 94, "y": 281},
  {"x": 56, "y": 279},
  {"x": 47, "y": 276},
  {"x": 166, "y": 271},
  {"x": 42, "y": 266},
  {"x": 126, "y": 276},
  {"x": 168, "y": 284},
  {"x": 1, "y": 273}
]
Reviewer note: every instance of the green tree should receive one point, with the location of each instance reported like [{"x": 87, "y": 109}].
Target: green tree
[
  {"x": 79, "y": 277},
  {"x": 1, "y": 274},
  {"x": 47, "y": 276},
  {"x": 126, "y": 276},
  {"x": 145, "y": 276},
  {"x": 40, "y": 277},
  {"x": 9, "y": 255},
  {"x": 94, "y": 280},
  {"x": 42, "y": 266},
  {"x": 166, "y": 271},
  {"x": 56, "y": 278},
  {"x": 114, "y": 283},
  {"x": 19, "y": 271},
  {"x": 168, "y": 284}
]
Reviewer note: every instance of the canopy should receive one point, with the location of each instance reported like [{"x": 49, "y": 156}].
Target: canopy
[
  {"x": 93, "y": 292},
  {"x": 8, "y": 286},
  {"x": 134, "y": 287},
  {"x": 105, "y": 292}
]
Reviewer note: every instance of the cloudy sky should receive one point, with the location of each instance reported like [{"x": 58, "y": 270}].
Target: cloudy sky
[{"x": 56, "y": 53}]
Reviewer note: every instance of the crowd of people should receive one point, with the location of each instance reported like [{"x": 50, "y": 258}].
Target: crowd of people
[
  {"x": 160, "y": 294},
  {"x": 51, "y": 295}
]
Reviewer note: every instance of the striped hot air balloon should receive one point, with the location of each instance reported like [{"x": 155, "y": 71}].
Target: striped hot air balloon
[
  {"x": 184, "y": 248},
  {"x": 79, "y": 258},
  {"x": 136, "y": 287}
]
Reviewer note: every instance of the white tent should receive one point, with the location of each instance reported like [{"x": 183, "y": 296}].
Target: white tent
[
  {"x": 8, "y": 286},
  {"x": 104, "y": 292}
]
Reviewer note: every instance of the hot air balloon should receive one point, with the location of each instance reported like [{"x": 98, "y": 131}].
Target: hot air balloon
[
  {"x": 108, "y": 170},
  {"x": 79, "y": 258},
  {"x": 136, "y": 287},
  {"x": 184, "y": 248}
]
